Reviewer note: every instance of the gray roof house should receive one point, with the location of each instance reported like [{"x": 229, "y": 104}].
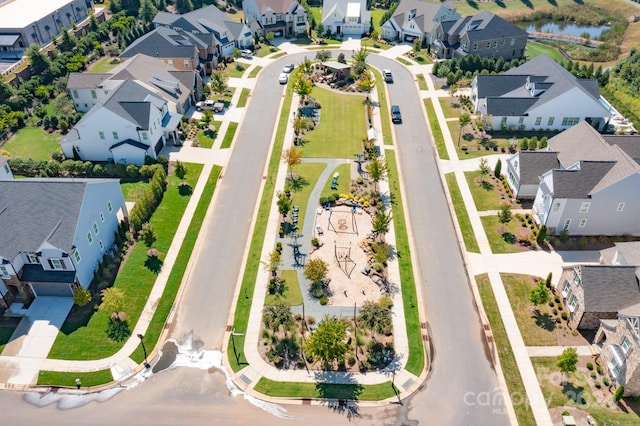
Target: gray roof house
[
  {"x": 285, "y": 18},
  {"x": 415, "y": 19},
  {"x": 209, "y": 20},
  {"x": 484, "y": 34},
  {"x": 50, "y": 251},
  {"x": 524, "y": 169},
  {"x": 539, "y": 94},
  {"x": 593, "y": 191}
]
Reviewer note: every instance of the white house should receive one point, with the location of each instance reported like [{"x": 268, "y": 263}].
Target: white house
[
  {"x": 594, "y": 191},
  {"x": 348, "y": 17},
  {"x": 131, "y": 123},
  {"x": 415, "y": 19},
  {"x": 54, "y": 234},
  {"x": 5, "y": 170},
  {"x": 285, "y": 18},
  {"x": 539, "y": 94}
]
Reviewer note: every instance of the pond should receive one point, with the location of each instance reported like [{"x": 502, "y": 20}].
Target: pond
[{"x": 561, "y": 28}]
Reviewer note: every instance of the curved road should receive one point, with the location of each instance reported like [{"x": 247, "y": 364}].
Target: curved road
[{"x": 460, "y": 367}]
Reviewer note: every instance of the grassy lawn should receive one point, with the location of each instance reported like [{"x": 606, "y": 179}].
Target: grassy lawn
[
  {"x": 291, "y": 294},
  {"x": 229, "y": 134},
  {"x": 508, "y": 8},
  {"x": 104, "y": 65},
  {"x": 236, "y": 15},
  {"x": 254, "y": 72},
  {"x": 376, "y": 16},
  {"x": 536, "y": 331},
  {"x": 32, "y": 142},
  {"x": 438, "y": 138},
  {"x": 474, "y": 149},
  {"x": 422, "y": 83},
  {"x": 265, "y": 50},
  {"x": 484, "y": 195},
  {"x": 448, "y": 110},
  {"x": 464, "y": 223},
  {"x": 507, "y": 360},
  {"x": 244, "y": 95},
  {"x": 344, "y": 181},
  {"x": 308, "y": 174},
  {"x": 341, "y": 128},
  {"x": 404, "y": 61},
  {"x": 278, "y": 55},
  {"x": 236, "y": 70},
  {"x": 534, "y": 49},
  {"x": 370, "y": 44},
  {"x": 59, "y": 378},
  {"x": 325, "y": 390},
  {"x": 133, "y": 190},
  {"x": 316, "y": 11},
  {"x": 206, "y": 138},
  {"x": 559, "y": 395},
  {"x": 500, "y": 243},
  {"x": 385, "y": 118},
  {"x": 86, "y": 338}
]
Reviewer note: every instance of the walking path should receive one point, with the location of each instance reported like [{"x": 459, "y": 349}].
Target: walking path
[{"x": 534, "y": 263}]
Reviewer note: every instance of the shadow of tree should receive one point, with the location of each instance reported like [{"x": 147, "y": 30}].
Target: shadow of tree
[
  {"x": 486, "y": 185},
  {"x": 527, "y": 3},
  {"x": 508, "y": 237},
  {"x": 472, "y": 4},
  {"x": 545, "y": 321},
  {"x": 555, "y": 3},
  {"x": 501, "y": 4},
  {"x": 339, "y": 391},
  {"x": 296, "y": 184},
  {"x": 574, "y": 393},
  {"x": 154, "y": 264},
  {"x": 118, "y": 330}
]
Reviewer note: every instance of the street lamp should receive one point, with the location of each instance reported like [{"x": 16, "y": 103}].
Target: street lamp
[
  {"x": 233, "y": 342},
  {"x": 144, "y": 350}
]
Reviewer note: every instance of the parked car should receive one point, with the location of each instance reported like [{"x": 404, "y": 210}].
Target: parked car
[
  {"x": 396, "y": 117},
  {"x": 246, "y": 53},
  {"x": 284, "y": 78},
  {"x": 210, "y": 104},
  {"x": 288, "y": 68},
  {"x": 388, "y": 77}
]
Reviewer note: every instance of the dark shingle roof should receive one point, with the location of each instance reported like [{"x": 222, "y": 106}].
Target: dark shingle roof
[
  {"x": 578, "y": 184},
  {"x": 164, "y": 43},
  {"x": 130, "y": 142},
  {"x": 609, "y": 288},
  {"x": 128, "y": 101},
  {"x": 630, "y": 144},
  {"x": 487, "y": 26},
  {"x": 508, "y": 106},
  {"x": 534, "y": 164},
  {"x": 207, "y": 19},
  {"x": 85, "y": 80}
]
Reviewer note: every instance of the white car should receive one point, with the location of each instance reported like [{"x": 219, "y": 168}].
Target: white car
[
  {"x": 284, "y": 78},
  {"x": 246, "y": 53},
  {"x": 288, "y": 68}
]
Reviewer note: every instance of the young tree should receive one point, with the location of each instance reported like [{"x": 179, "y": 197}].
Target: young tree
[
  {"x": 284, "y": 203},
  {"x": 366, "y": 82},
  {"x": 148, "y": 234},
  {"x": 483, "y": 168},
  {"x": 567, "y": 361},
  {"x": 539, "y": 295},
  {"x": 341, "y": 58},
  {"x": 278, "y": 315},
  {"x": 81, "y": 297},
  {"x": 292, "y": 157},
  {"x": 380, "y": 224},
  {"x": 417, "y": 45},
  {"x": 306, "y": 66},
  {"x": 542, "y": 236},
  {"x": 375, "y": 316},
  {"x": 359, "y": 62},
  {"x": 274, "y": 261},
  {"x": 377, "y": 169},
  {"x": 323, "y": 56},
  {"x": 181, "y": 169},
  {"x": 497, "y": 170},
  {"x": 219, "y": 81},
  {"x": 112, "y": 301},
  {"x": 302, "y": 86},
  {"x": 316, "y": 270},
  {"x": 327, "y": 343},
  {"x": 463, "y": 120},
  {"x": 270, "y": 37}
]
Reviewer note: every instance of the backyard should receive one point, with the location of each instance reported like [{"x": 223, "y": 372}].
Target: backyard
[{"x": 32, "y": 142}]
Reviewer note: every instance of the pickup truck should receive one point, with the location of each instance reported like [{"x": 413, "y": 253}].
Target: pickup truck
[
  {"x": 210, "y": 104},
  {"x": 388, "y": 77}
]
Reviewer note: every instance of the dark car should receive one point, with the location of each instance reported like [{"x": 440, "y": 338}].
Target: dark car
[{"x": 396, "y": 117}]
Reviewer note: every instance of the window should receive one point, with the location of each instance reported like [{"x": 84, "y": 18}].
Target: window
[
  {"x": 475, "y": 46},
  {"x": 584, "y": 208},
  {"x": 464, "y": 46},
  {"x": 95, "y": 228},
  {"x": 76, "y": 256},
  {"x": 144, "y": 136},
  {"x": 573, "y": 304},
  {"x": 614, "y": 367},
  {"x": 4, "y": 271},
  {"x": 576, "y": 277},
  {"x": 101, "y": 216},
  {"x": 101, "y": 134},
  {"x": 186, "y": 63},
  {"x": 101, "y": 245},
  {"x": 93, "y": 94},
  {"x": 620, "y": 207},
  {"x": 109, "y": 206},
  {"x": 512, "y": 42},
  {"x": 89, "y": 237},
  {"x": 567, "y": 223},
  {"x": 556, "y": 207},
  {"x": 583, "y": 223},
  {"x": 6, "y": 168},
  {"x": 538, "y": 121},
  {"x": 504, "y": 121},
  {"x": 521, "y": 120},
  {"x": 115, "y": 135},
  {"x": 488, "y": 44},
  {"x": 570, "y": 121},
  {"x": 75, "y": 93},
  {"x": 495, "y": 44},
  {"x": 57, "y": 263},
  {"x": 550, "y": 121},
  {"x": 566, "y": 288},
  {"x": 170, "y": 62},
  {"x": 626, "y": 345},
  {"x": 32, "y": 258}
]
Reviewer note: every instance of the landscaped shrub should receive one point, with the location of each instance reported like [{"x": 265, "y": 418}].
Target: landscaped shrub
[
  {"x": 558, "y": 320},
  {"x": 589, "y": 366},
  {"x": 323, "y": 300},
  {"x": 617, "y": 396},
  {"x": 599, "y": 369},
  {"x": 564, "y": 316},
  {"x": 593, "y": 375},
  {"x": 605, "y": 381},
  {"x": 597, "y": 384}
]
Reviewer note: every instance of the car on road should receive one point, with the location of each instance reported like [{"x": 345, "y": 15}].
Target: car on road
[
  {"x": 396, "y": 116},
  {"x": 288, "y": 68},
  {"x": 388, "y": 77},
  {"x": 246, "y": 53},
  {"x": 284, "y": 78}
]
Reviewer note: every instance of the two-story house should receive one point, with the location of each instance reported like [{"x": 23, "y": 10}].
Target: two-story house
[
  {"x": 131, "y": 123},
  {"x": 346, "y": 17},
  {"x": 284, "y": 18},
  {"x": 483, "y": 34},
  {"x": 54, "y": 234},
  {"x": 416, "y": 19}
]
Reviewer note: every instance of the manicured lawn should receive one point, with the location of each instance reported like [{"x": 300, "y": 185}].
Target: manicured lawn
[
  {"x": 104, "y": 65},
  {"x": 501, "y": 243},
  {"x": 534, "y": 49},
  {"x": 436, "y": 131},
  {"x": 422, "y": 83},
  {"x": 265, "y": 50},
  {"x": 464, "y": 223},
  {"x": 376, "y": 16},
  {"x": 559, "y": 395},
  {"x": 505, "y": 354},
  {"x": 308, "y": 174},
  {"x": 254, "y": 72},
  {"x": 344, "y": 181},
  {"x": 385, "y": 118},
  {"x": 505, "y": 8},
  {"x": 404, "y": 61},
  {"x": 371, "y": 45},
  {"x": 237, "y": 69},
  {"x": 535, "y": 330},
  {"x": 32, "y": 142},
  {"x": 484, "y": 194},
  {"x": 59, "y": 378},
  {"x": 341, "y": 128},
  {"x": 291, "y": 294},
  {"x": 86, "y": 339},
  {"x": 316, "y": 11},
  {"x": 206, "y": 138},
  {"x": 448, "y": 110},
  {"x": 133, "y": 190},
  {"x": 244, "y": 95},
  {"x": 236, "y": 15},
  {"x": 278, "y": 55},
  {"x": 325, "y": 390},
  {"x": 228, "y": 136}
]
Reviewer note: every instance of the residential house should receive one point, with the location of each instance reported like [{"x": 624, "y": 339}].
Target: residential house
[
  {"x": 539, "y": 94},
  {"x": 228, "y": 34},
  {"x": 285, "y": 18},
  {"x": 483, "y": 34},
  {"x": 346, "y": 17},
  {"x": 524, "y": 169},
  {"x": 593, "y": 191},
  {"x": 179, "y": 49},
  {"x": 5, "y": 170},
  {"x": 55, "y": 233},
  {"x": 131, "y": 123},
  {"x": 416, "y": 19},
  {"x": 180, "y": 88}
]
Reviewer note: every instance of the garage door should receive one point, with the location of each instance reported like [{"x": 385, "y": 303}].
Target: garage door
[{"x": 58, "y": 290}]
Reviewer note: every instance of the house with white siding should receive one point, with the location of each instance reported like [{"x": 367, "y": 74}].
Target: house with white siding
[
  {"x": 416, "y": 19},
  {"x": 285, "y": 18},
  {"x": 5, "y": 170},
  {"x": 346, "y": 17}
]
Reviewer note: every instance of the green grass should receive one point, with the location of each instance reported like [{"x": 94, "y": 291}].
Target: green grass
[
  {"x": 385, "y": 118},
  {"x": 464, "y": 223},
  {"x": 325, "y": 390},
  {"x": 244, "y": 95},
  {"x": 104, "y": 65},
  {"x": 177, "y": 272},
  {"x": 86, "y": 339},
  {"x": 291, "y": 294},
  {"x": 344, "y": 181},
  {"x": 438, "y": 138},
  {"x": 32, "y": 142},
  {"x": 237, "y": 69},
  {"x": 505, "y": 353},
  {"x": 133, "y": 190},
  {"x": 265, "y": 50},
  {"x": 558, "y": 395},
  {"x": 372, "y": 46},
  {"x": 58, "y": 378},
  {"x": 278, "y": 55},
  {"x": 415, "y": 362},
  {"x": 422, "y": 83},
  {"x": 229, "y": 134},
  {"x": 206, "y": 138},
  {"x": 236, "y": 16},
  {"x": 484, "y": 195},
  {"x": 534, "y": 49},
  {"x": 309, "y": 172},
  {"x": 376, "y": 16},
  {"x": 316, "y": 12},
  {"x": 341, "y": 128},
  {"x": 511, "y": 7},
  {"x": 448, "y": 110},
  {"x": 404, "y": 61},
  {"x": 518, "y": 289},
  {"x": 497, "y": 241},
  {"x": 254, "y": 72}
]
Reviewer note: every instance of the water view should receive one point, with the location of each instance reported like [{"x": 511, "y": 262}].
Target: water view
[{"x": 569, "y": 29}]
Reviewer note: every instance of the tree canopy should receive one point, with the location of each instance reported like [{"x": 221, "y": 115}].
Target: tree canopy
[{"x": 327, "y": 343}]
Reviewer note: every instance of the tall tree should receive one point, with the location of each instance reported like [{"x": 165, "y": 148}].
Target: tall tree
[
  {"x": 323, "y": 56},
  {"x": 359, "y": 62},
  {"x": 327, "y": 343},
  {"x": 463, "y": 120},
  {"x": 375, "y": 316},
  {"x": 147, "y": 11},
  {"x": 219, "y": 81},
  {"x": 380, "y": 224},
  {"x": 40, "y": 62},
  {"x": 184, "y": 6},
  {"x": 567, "y": 361},
  {"x": 377, "y": 169},
  {"x": 316, "y": 270},
  {"x": 292, "y": 157}
]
